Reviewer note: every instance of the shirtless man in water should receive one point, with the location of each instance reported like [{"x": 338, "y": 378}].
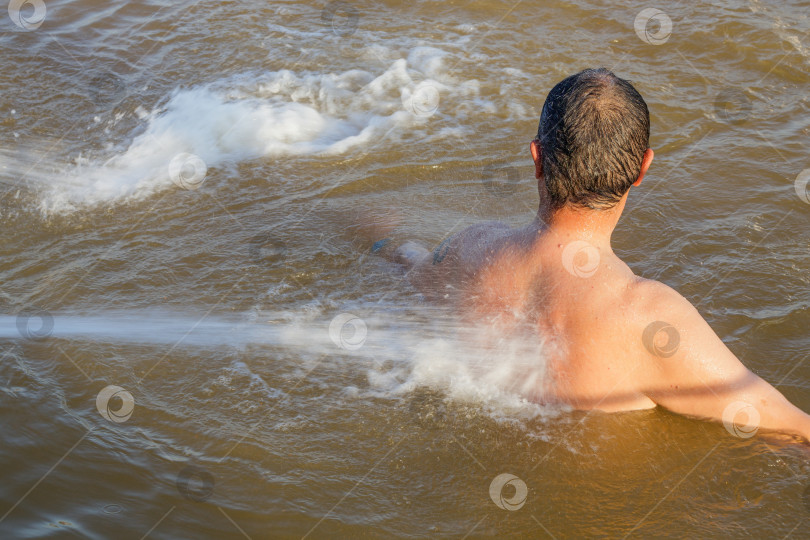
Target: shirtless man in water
[{"x": 626, "y": 342}]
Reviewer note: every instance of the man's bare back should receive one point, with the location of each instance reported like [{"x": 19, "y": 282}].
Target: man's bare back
[
  {"x": 518, "y": 277},
  {"x": 620, "y": 342}
]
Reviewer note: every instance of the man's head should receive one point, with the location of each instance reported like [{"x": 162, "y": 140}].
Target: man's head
[{"x": 593, "y": 136}]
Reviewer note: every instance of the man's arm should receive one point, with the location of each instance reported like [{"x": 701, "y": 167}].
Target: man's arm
[
  {"x": 456, "y": 260},
  {"x": 694, "y": 373}
]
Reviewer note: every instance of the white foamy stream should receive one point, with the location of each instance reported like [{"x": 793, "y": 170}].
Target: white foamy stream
[
  {"x": 398, "y": 354},
  {"x": 258, "y": 115}
]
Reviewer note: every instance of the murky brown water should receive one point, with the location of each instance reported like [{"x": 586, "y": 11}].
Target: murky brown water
[{"x": 204, "y": 287}]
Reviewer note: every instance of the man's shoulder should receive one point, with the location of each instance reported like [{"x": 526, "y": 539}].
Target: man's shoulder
[
  {"x": 651, "y": 300},
  {"x": 458, "y": 255},
  {"x": 484, "y": 230},
  {"x": 642, "y": 288},
  {"x": 663, "y": 321},
  {"x": 466, "y": 245}
]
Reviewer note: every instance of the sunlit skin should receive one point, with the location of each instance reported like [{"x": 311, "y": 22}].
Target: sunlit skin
[{"x": 599, "y": 360}]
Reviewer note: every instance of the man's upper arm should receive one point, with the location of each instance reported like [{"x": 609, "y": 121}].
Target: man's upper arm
[
  {"x": 691, "y": 371},
  {"x": 455, "y": 259}
]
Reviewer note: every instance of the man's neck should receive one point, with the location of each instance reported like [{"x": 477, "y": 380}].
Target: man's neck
[{"x": 571, "y": 223}]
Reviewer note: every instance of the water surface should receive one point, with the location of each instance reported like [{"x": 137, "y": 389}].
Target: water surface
[{"x": 178, "y": 180}]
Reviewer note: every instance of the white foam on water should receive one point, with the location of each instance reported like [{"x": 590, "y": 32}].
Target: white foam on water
[
  {"x": 504, "y": 374},
  {"x": 270, "y": 115},
  {"x": 399, "y": 354}
]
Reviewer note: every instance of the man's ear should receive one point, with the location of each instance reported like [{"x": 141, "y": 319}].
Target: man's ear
[
  {"x": 537, "y": 156},
  {"x": 645, "y": 165}
]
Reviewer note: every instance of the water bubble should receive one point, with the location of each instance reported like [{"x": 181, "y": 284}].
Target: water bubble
[{"x": 112, "y": 509}]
